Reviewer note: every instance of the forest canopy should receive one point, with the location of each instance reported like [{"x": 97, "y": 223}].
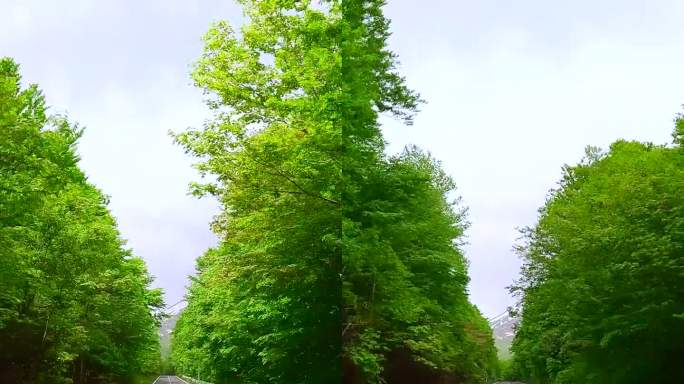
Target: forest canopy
[{"x": 336, "y": 259}]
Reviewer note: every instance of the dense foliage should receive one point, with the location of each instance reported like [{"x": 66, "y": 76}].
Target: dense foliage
[
  {"x": 405, "y": 279},
  {"x": 74, "y": 303},
  {"x": 603, "y": 278},
  {"x": 330, "y": 250}
]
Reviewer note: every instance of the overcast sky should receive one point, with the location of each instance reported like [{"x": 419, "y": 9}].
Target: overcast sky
[{"x": 515, "y": 89}]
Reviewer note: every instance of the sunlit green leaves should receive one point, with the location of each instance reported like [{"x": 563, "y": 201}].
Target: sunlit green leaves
[
  {"x": 330, "y": 249},
  {"x": 72, "y": 295}
]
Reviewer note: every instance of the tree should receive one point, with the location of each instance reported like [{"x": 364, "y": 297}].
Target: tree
[
  {"x": 74, "y": 303},
  {"x": 602, "y": 279},
  {"x": 266, "y": 307},
  {"x": 405, "y": 289},
  {"x": 330, "y": 250}
]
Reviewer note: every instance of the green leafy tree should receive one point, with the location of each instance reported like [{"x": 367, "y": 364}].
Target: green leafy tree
[
  {"x": 75, "y": 306},
  {"x": 266, "y": 305},
  {"x": 330, "y": 250},
  {"x": 405, "y": 285},
  {"x": 602, "y": 281}
]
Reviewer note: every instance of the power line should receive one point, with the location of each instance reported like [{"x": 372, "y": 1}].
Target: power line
[{"x": 180, "y": 301}]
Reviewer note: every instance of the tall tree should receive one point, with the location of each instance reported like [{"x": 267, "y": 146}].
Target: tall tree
[
  {"x": 330, "y": 250},
  {"x": 74, "y": 304},
  {"x": 602, "y": 283},
  {"x": 407, "y": 315},
  {"x": 266, "y": 304}
]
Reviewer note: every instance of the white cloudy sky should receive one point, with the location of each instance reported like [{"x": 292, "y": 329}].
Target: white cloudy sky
[{"x": 515, "y": 89}]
